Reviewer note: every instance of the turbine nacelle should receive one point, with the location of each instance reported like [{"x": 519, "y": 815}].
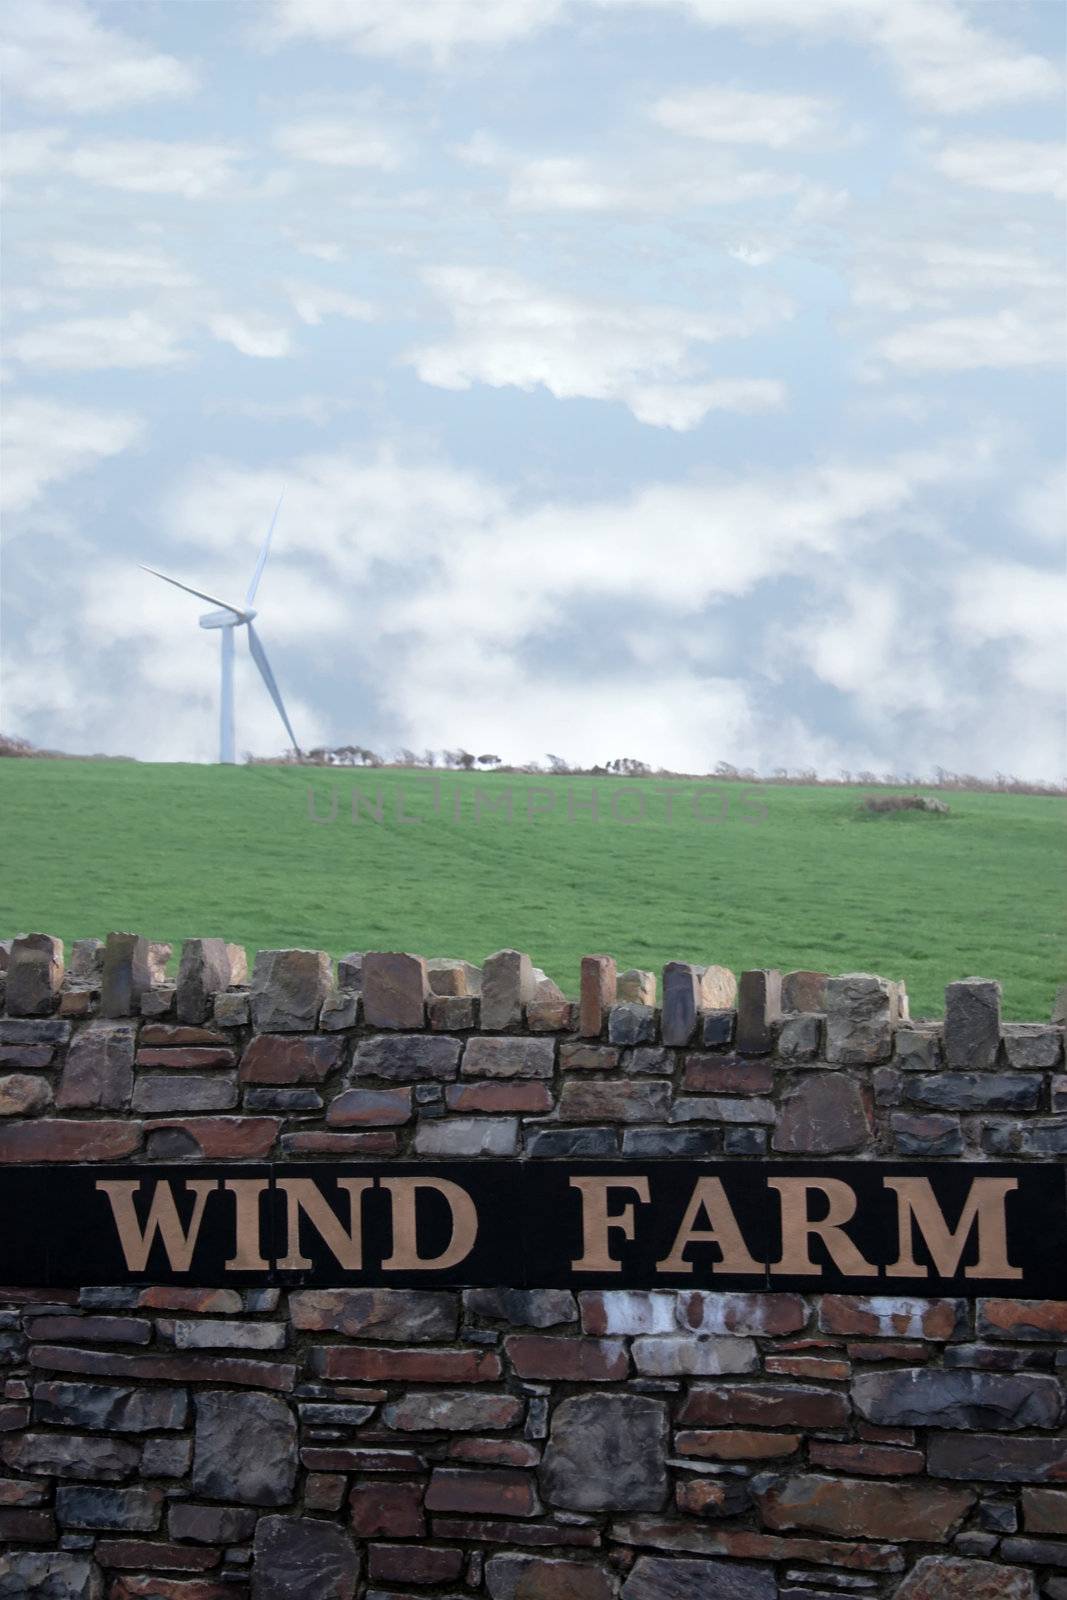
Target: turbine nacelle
[{"x": 226, "y": 618}]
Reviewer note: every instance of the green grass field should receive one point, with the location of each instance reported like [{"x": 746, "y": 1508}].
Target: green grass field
[{"x": 175, "y": 851}]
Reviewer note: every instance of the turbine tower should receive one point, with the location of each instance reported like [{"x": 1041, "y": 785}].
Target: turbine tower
[{"x": 227, "y": 620}]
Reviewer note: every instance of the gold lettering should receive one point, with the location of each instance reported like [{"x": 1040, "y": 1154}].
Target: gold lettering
[
  {"x": 709, "y": 1196},
  {"x": 162, "y": 1218},
  {"x": 246, "y": 1256},
  {"x": 984, "y": 1207},
  {"x": 304, "y": 1195},
  {"x": 405, "y": 1256},
  {"x": 598, "y": 1222},
  {"x": 797, "y": 1227}
]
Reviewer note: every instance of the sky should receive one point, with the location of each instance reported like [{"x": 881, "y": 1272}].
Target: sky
[{"x": 672, "y": 379}]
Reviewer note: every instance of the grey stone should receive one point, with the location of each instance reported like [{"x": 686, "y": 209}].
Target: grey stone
[
  {"x": 606, "y": 1452},
  {"x": 132, "y": 1510},
  {"x": 1029, "y": 1046},
  {"x": 637, "y": 986},
  {"x": 718, "y": 1029},
  {"x": 975, "y": 1091},
  {"x": 718, "y": 1108},
  {"x": 452, "y": 1411},
  {"x": 187, "y": 1091},
  {"x": 931, "y": 1135},
  {"x": 210, "y": 1524},
  {"x": 34, "y": 975},
  {"x": 630, "y": 1023},
  {"x": 245, "y": 1448},
  {"x": 204, "y": 971},
  {"x": 71, "y": 1455},
  {"x": 450, "y": 976},
  {"x": 508, "y": 1058},
  {"x": 323, "y": 1415},
  {"x": 299, "y": 1557},
  {"x": 678, "y": 1578},
  {"x": 652, "y": 1143},
  {"x": 825, "y": 1114},
  {"x": 861, "y": 1012},
  {"x": 681, "y": 1002},
  {"x": 22, "y": 1095},
  {"x": 1059, "y": 1005},
  {"x": 972, "y": 1023},
  {"x": 508, "y": 984},
  {"x": 554, "y": 1143},
  {"x": 457, "y": 1013},
  {"x": 926, "y": 1397},
  {"x": 888, "y": 1086},
  {"x": 49, "y": 1575},
  {"x": 24, "y": 1030},
  {"x": 350, "y": 970},
  {"x": 407, "y": 1057},
  {"x": 645, "y": 1062},
  {"x": 804, "y": 991},
  {"x": 400, "y": 1315},
  {"x": 522, "y": 1308},
  {"x": 943, "y": 1577},
  {"x": 288, "y": 988},
  {"x": 917, "y": 1049},
  {"x": 98, "y": 1072},
  {"x": 86, "y": 963},
  {"x": 166, "y": 1458},
  {"x": 283, "y": 1100},
  {"x": 233, "y": 1010},
  {"x": 614, "y": 1100},
  {"x": 340, "y": 1009},
  {"x": 759, "y": 1005},
  {"x": 158, "y": 1001},
  {"x": 127, "y": 973},
  {"x": 468, "y": 1136},
  {"x": 115, "y": 1408},
  {"x": 799, "y": 1036},
  {"x": 744, "y": 1141},
  {"x": 683, "y": 1355},
  {"x": 543, "y": 1577},
  {"x": 1035, "y": 1138}
]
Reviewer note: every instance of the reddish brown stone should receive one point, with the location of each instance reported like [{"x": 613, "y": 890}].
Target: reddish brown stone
[
  {"x": 221, "y": 1138},
  {"x": 952, "y": 1578},
  {"x": 588, "y": 1057},
  {"x": 92, "y": 1330},
  {"x": 743, "y": 1545},
  {"x": 287, "y": 1058},
  {"x": 401, "y": 1314},
  {"x": 160, "y": 1298},
  {"x": 698, "y": 1310},
  {"x": 710, "y": 1497},
  {"x": 998, "y": 1457},
  {"x": 550, "y": 1016},
  {"x": 1045, "y": 1510},
  {"x": 821, "y": 1368},
  {"x": 530, "y": 1098},
  {"x": 766, "y": 1405},
  {"x": 876, "y": 1435},
  {"x": 27, "y": 1056},
  {"x": 63, "y": 1139},
  {"x": 614, "y": 1100},
  {"x": 495, "y": 1452},
  {"x": 872, "y": 1460},
  {"x": 340, "y": 1144},
  {"x": 378, "y": 1506},
  {"x": 406, "y": 1366},
  {"x": 381, "y": 1108},
  {"x": 23, "y": 1526},
  {"x": 193, "y": 1058},
  {"x": 1023, "y": 1319},
  {"x": 598, "y": 989},
  {"x": 891, "y": 1317},
  {"x": 143, "y": 1553},
  {"x": 486, "y": 1531},
  {"x": 396, "y": 988},
  {"x": 13, "y": 1418},
  {"x": 170, "y": 1035},
  {"x": 20, "y": 1492},
  {"x": 324, "y": 1491},
  {"x": 502, "y": 1494},
  {"x": 889, "y": 1350},
  {"x": 520, "y": 1577},
  {"x": 854, "y": 1508},
  {"x": 165, "y": 1369},
  {"x": 735, "y": 1444},
  {"x": 568, "y": 1360},
  {"x": 142, "y": 1586},
  {"x": 727, "y": 1075},
  {"x": 427, "y": 1563}
]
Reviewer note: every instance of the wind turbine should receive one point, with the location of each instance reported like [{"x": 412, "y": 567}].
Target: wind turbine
[{"x": 227, "y": 620}]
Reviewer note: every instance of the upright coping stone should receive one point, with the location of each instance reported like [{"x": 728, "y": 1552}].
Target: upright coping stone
[
  {"x": 759, "y": 1005},
  {"x": 34, "y": 975},
  {"x": 288, "y": 988},
  {"x": 508, "y": 984},
  {"x": 127, "y": 974},
  {"x": 972, "y": 1023},
  {"x": 861, "y": 1012},
  {"x": 598, "y": 992},
  {"x": 395, "y": 989},
  {"x": 205, "y": 971}
]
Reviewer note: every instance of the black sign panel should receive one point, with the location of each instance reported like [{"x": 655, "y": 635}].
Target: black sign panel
[{"x": 869, "y": 1227}]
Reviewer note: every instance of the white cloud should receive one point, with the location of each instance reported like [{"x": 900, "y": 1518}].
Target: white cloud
[
  {"x": 108, "y": 267},
  {"x": 58, "y": 54},
  {"x": 342, "y": 142},
  {"x": 154, "y": 166},
  {"x": 313, "y": 302},
  {"x": 1042, "y": 507},
  {"x": 91, "y": 344},
  {"x": 45, "y": 442},
  {"x": 401, "y": 27},
  {"x": 251, "y": 333},
  {"x": 1009, "y": 338},
  {"x": 1007, "y": 166},
  {"x": 509, "y": 332},
  {"x": 1022, "y": 608},
  {"x": 915, "y": 273},
  {"x": 723, "y": 114}
]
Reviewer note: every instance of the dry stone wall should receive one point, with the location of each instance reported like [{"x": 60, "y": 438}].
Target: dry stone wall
[{"x": 192, "y": 1443}]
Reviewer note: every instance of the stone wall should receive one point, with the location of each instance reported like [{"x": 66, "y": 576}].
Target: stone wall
[{"x": 518, "y": 1444}]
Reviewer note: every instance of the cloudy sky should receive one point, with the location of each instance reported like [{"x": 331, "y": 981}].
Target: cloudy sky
[{"x": 669, "y": 378}]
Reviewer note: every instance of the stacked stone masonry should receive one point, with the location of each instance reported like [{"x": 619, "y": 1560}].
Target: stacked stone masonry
[{"x": 517, "y": 1444}]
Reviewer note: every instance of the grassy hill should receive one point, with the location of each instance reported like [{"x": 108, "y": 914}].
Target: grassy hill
[{"x": 788, "y": 877}]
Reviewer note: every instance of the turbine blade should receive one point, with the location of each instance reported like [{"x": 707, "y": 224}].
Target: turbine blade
[
  {"x": 198, "y": 592},
  {"x": 259, "y": 656},
  {"x": 262, "y": 562}
]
